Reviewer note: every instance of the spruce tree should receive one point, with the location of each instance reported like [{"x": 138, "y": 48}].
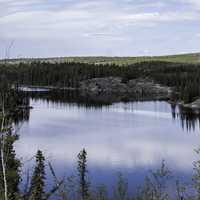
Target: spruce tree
[
  {"x": 38, "y": 178},
  {"x": 82, "y": 173},
  {"x": 121, "y": 189}
]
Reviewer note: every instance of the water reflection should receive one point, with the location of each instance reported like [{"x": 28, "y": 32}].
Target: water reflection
[
  {"x": 129, "y": 137},
  {"x": 189, "y": 120}
]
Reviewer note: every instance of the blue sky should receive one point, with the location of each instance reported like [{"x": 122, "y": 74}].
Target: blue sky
[{"x": 46, "y": 28}]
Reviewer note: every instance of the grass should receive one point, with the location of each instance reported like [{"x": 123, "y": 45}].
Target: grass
[{"x": 182, "y": 58}]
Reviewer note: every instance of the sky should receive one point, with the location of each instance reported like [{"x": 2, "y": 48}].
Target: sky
[{"x": 51, "y": 28}]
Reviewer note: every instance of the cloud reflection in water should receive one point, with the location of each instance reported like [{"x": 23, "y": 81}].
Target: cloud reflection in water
[{"x": 123, "y": 136}]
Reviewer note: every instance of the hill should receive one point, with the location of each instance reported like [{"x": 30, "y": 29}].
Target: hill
[{"x": 192, "y": 58}]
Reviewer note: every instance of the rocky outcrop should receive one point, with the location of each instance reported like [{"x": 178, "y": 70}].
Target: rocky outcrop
[
  {"x": 148, "y": 87},
  {"x": 104, "y": 85},
  {"x": 114, "y": 86}
]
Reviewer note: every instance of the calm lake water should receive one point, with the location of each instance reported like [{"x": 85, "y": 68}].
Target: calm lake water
[{"x": 131, "y": 138}]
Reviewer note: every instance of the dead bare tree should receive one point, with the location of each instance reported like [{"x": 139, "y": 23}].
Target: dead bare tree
[
  {"x": 58, "y": 183},
  {"x": 3, "y": 162},
  {"x": 8, "y": 50}
]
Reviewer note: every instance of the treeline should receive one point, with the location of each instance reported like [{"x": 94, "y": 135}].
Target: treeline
[
  {"x": 185, "y": 78},
  {"x": 15, "y": 104},
  {"x": 61, "y": 74}
]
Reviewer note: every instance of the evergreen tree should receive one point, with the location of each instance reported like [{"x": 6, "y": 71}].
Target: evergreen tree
[
  {"x": 121, "y": 189},
  {"x": 38, "y": 178},
  {"x": 82, "y": 173}
]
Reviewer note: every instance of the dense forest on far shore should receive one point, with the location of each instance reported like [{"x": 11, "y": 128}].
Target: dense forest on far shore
[{"x": 183, "y": 77}]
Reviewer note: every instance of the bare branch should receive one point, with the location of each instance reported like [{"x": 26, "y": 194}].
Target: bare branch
[{"x": 58, "y": 183}]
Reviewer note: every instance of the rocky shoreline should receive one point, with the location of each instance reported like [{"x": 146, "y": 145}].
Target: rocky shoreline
[
  {"x": 143, "y": 88},
  {"x": 114, "y": 89},
  {"x": 194, "y": 106}
]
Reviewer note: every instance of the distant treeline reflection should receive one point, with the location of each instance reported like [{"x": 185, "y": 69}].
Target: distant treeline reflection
[{"x": 189, "y": 119}]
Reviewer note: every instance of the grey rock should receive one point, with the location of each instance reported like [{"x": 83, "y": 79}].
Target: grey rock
[{"x": 135, "y": 87}]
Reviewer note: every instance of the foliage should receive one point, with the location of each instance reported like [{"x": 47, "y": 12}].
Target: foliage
[
  {"x": 38, "y": 178},
  {"x": 82, "y": 173},
  {"x": 183, "y": 77},
  {"x": 155, "y": 184},
  {"x": 121, "y": 189},
  {"x": 12, "y": 166}
]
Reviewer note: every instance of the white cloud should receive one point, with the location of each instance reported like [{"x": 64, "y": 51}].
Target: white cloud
[
  {"x": 83, "y": 21},
  {"x": 74, "y": 20},
  {"x": 195, "y": 3},
  {"x": 160, "y": 17},
  {"x": 198, "y": 35}
]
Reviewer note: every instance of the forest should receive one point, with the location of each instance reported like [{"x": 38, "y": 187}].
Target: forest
[{"x": 184, "y": 78}]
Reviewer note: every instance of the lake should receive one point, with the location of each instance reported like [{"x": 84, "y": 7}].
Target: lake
[{"x": 127, "y": 137}]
